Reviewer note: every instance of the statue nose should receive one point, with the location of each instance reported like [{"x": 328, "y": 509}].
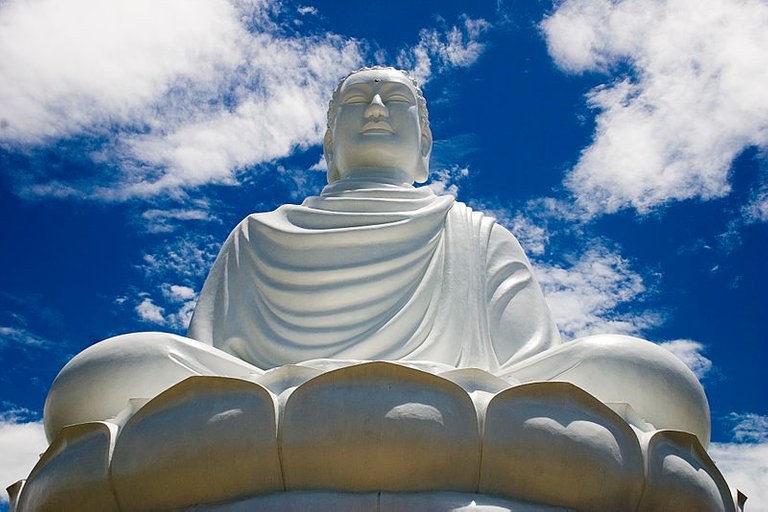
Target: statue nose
[{"x": 376, "y": 108}]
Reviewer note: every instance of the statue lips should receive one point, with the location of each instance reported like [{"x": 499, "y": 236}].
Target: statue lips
[{"x": 377, "y": 128}]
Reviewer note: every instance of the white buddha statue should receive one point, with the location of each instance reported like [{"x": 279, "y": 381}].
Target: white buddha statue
[
  {"x": 375, "y": 269},
  {"x": 373, "y": 342}
]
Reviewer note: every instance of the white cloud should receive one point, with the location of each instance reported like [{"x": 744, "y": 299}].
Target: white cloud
[
  {"x": 167, "y": 220},
  {"x": 533, "y": 236},
  {"x": 589, "y": 287},
  {"x": 745, "y": 467},
  {"x": 437, "y": 50},
  {"x": 585, "y": 295},
  {"x": 285, "y": 111},
  {"x": 446, "y": 181},
  {"x": 307, "y": 9},
  {"x": 749, "y": 427},
  {"x": 179, "y": 300},
  {"x": 185, "y": 258},
  {"x": 178, "y": 293},
  {"x": 691, "y": 353},
  {"x": 188, "y": 92},
  {"x": 172, "y": 308},
  {"x": 696, "y": 99},
  {"x": 65, "y": 66},
  {"x": 21, "y": 445},
  {"x": 150, "y": 312},
  {"x": 20, "y": 336},
  {"x": 174, "y": 270},
  {"x": 756, "y": 210},
  {"x": 321, "y": 165},
  {"x": 744, "y": 463}
]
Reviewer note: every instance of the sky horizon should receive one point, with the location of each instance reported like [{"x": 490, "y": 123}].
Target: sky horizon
[{"x": 622, "y": 142}]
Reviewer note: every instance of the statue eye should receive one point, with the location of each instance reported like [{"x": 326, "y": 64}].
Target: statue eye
[
  {"x": 398, "y": 98},
  {"x": 355, "y": 99}
]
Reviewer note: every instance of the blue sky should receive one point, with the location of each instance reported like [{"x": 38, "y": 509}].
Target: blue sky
[{"x": 623, "y": 142}]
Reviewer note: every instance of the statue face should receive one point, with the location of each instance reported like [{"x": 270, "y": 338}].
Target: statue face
[{"x": 377, "y": 125}]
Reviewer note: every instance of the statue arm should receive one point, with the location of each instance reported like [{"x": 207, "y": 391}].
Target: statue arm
[{"x": 519, "y": 320}]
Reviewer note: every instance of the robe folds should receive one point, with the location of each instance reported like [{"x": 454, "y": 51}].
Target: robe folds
[{"x": 373, "y": 271}]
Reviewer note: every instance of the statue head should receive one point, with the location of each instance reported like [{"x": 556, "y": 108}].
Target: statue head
[{"x": 377, "y": 119}]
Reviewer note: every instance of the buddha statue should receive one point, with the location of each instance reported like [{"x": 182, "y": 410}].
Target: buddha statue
[{"x": 378, "y": 281}]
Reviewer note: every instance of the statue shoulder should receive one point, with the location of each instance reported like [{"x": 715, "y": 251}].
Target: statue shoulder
[{"x": 499, "y": 239}]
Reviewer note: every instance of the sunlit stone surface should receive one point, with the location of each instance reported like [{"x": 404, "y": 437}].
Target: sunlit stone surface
[
  {"x": 375, "y": 348},
  {"x": 412, "y": 431},
  {"x": 552, "y": 442}
]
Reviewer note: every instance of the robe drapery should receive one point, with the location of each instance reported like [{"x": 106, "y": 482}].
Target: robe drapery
[{"x": 373, "y": 271}]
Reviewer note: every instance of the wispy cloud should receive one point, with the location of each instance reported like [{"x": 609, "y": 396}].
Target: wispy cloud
[
  {"x": 440, "y": 49},
  {"x": 168, "y": 220},
  {"x": 695, "y": 97},
  {"x": 586, "y": 294},
  {"x": 446, "y": 181},
  {"x": 749, "y": 427},
  {"x": 20, "y": 336},
  {"x": 173, "y": 271},
  {"x": 756, "y": 210},
  {"x": 186, "y": 258}
]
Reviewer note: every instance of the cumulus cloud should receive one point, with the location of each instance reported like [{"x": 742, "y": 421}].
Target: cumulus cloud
[
  {"x": 21, "y": 443},
  {"x": 439, "y": 49},
  {"x": 148, "y": 311},
  {"x": 187, "y": 93},
  {"x": 67, "y": 66},
  {"x": 695, "y": 97},
  {"x": 691, "y": 353},
  {"x": 744, "y": 463}
]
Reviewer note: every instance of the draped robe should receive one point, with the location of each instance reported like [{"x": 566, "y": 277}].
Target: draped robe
[{"x": 374, "y": 271}]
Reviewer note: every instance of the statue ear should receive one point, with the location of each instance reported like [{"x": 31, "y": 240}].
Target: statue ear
[
  {"x": 422, "y": 173},
  {"x": 333, "y": 173}
]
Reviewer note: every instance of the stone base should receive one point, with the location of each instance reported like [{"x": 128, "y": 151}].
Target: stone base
[{"x": 373, "y": 436}]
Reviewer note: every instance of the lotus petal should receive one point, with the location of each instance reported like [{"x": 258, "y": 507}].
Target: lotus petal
[
  {"x": 73, "y": 473},
  {"x": 681, "y": 476},
  {"x": 552, "y": 442},
  {"x": 379, "y": 426},
  {"x": 204, "y": 440}
]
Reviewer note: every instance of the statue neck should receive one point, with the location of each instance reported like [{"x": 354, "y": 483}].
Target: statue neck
[{"x": 383, "y": 175}]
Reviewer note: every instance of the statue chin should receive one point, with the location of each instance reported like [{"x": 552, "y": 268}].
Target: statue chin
[{"x": 375, "y": 348}]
